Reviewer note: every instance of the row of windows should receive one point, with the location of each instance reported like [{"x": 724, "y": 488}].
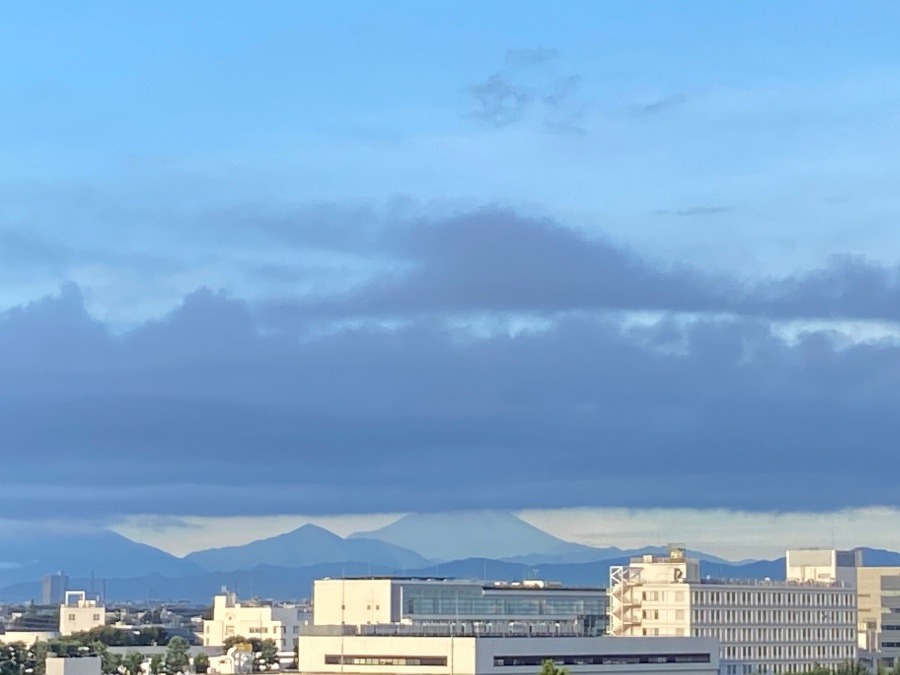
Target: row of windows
[
  {"x": 766, "y": 668},
  {"x": 798, "y": 598},
  {"x": 814, "y": 652},
  {"x": 600, "y": 659},
  {"x": 474, "y": 602},
  {"x": 795, "y": 635},
  {"x": 334, "y": 659},
  {"x": 773, "y": 616}
]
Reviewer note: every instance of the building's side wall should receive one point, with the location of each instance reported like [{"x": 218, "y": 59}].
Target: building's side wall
[
  {"x": 352, "y": 601},
  {"x": 456, "y": 655},
  {"x": 490, "y": 656}
]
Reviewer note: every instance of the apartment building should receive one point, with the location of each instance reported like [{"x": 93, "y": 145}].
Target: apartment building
[
  {"x": 384, "y": 600},
  {"x": 231, "y": 618},
  {"x": 762, "y": 626},
  {"x": 79, "y": 613}
]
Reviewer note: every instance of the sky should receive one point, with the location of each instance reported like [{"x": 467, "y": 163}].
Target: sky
[{"x": 262, "y": 263}]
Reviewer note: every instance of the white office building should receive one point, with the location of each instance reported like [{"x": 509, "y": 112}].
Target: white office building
[
  {"x": 231, "y": 618},
  {"x": 78, "y": 613},
  {"x": 397, "y": 626},
  {"x": 762, "y": 626},
  {"x": 385, "y": 600},
  {"x": 426, "y": 653}
]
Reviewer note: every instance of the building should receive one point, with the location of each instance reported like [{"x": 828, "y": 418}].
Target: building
[
  {"x": 78, "y": 613},
  {"x": 53, "y": 588},
  {"x": 347, "y": 650},
  {"x": 72, "y": 665},
  {"x": 231, "y": 618},
  {"x": 436, "y": 626},
  {"x": 385, "y": 600},
  {"x": 28, "y": 637},
  {"x": 878, "y": 598},
  {"x": 762, "y": 626}
]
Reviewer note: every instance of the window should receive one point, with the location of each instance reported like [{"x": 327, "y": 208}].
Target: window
[
  {"x": 71, "y": 617},
  {"x": 96, "y": 617},
  {"x": 334, "y": 659}
]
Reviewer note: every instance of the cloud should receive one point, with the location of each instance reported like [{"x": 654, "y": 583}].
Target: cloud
[
  {"x": 661, "y": 104},
  {"x": 523, "y": 58},
  {"x": 694, "y": 211},
  {"x": 204, "y": 412},
  {"x": 507, "y": 96},
  {"x": 498, "y": 101}
]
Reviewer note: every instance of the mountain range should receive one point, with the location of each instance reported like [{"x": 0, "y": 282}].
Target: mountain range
[{"x": 487, "y": 545}]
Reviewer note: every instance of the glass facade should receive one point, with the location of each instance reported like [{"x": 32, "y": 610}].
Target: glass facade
[{"x": 458, "y": 601}]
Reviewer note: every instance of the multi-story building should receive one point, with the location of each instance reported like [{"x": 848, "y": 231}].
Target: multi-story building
[
  {"x": 53, "y": 588},
  {"x": 78, "y": 613},
  {"x": 762, "y": 626},
  {"x": 231, "y": 618},
  {"x": 397, "y": 626},
  {"x": 878, "y": 597},
  {"x": 384, "y": 600}
]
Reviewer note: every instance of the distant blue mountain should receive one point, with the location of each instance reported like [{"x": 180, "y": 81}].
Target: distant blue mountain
[
  {"x": 295, "y": 583},
  {"x": 29, "y": 554},
  {"x": 488, "y": 534},
  {"x": 307, "y": 545}
]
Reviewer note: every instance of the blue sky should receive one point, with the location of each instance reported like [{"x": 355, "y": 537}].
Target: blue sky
[{"x": 394, "y": 249}]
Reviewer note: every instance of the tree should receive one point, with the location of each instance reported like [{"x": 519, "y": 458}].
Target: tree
[
  {"x": 177, "y": 657},
  {"x": 266, "y": 655},
  {"x": 548, "y": 667},
  {"x": 201, "y": 663},
  {"x": 156, "y": 664},
  {"x": 132, "y": 663}
]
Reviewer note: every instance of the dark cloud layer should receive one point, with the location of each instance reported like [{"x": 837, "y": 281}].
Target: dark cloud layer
[
  {"x": 201, "y": 412},
  {"x": 498, "y": 261}
]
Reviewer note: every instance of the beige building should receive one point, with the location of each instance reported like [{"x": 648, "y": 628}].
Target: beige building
[
  {"x": 28, "y": 637},
  {"x": 762, "y": 626},
  {"x": 878, "y": 591},
  {"x": 78, "y": 613},
  {"x": 357, "y": 653},
  {"x": 231, "y": 618}
]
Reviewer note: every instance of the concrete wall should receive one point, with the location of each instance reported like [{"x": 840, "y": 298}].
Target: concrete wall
[
  {"x": 354, "y": 602},
  {"x": 476, "y": 656},
  {"x": 85, "y": 665}
]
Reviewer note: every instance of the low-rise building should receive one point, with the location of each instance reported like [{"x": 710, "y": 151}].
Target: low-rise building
[
  {"x": 373, "y": 650},
  {"x": 762, "y": 626},
  {"x": 231, "y": 618},
  {"x": 28, "y": 637},
  {"x": 78, "y": 613}
]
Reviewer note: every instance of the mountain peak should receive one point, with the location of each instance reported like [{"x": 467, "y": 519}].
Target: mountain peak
[{"x": 465, "y": 534}]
